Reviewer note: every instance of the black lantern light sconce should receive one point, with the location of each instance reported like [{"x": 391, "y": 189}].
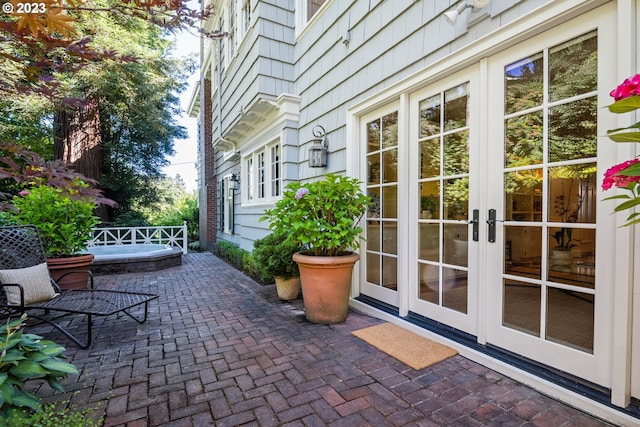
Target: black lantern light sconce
[
  {"x": 234, "y": 180},
  {"x": 319, "y": 149}
]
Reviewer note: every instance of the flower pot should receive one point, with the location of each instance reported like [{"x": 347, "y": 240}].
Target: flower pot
[
  {"x": 288, "y": 289},
  {"x": 326, "y": 285},
  {"x": 71, "y": 272}
]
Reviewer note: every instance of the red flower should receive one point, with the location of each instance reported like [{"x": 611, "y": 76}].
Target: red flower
[
  {"x": 612, "y": 178},
  {"x": 627, "y": 88}
]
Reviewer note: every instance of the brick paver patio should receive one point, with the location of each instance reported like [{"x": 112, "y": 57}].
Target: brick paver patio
[{"x": 221, "y": 350}]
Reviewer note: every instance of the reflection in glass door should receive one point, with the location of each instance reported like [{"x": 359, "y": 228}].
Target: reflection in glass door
[
  {"x": 444, "y": 199},
  {"x": 549, "y": 178},
  {"x": 382, "y": 216}
]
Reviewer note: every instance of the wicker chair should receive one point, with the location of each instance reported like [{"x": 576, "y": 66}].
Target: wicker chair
[{"x": 22, "y": 256}]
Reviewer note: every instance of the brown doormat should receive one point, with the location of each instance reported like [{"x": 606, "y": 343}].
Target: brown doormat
[{"x": 411, "y": 349}]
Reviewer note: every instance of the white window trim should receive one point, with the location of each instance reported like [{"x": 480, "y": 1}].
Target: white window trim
[
  {"x": 229, "y": 196},
  {"x": 301, "y": 15},
  {"x": 269, "y": 197}
]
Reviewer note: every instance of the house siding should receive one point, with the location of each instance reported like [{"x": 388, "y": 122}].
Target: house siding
[{"x": 351, "y": 56}]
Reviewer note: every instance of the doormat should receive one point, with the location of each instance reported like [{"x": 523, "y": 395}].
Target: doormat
[{"x": 411, "y": 349}]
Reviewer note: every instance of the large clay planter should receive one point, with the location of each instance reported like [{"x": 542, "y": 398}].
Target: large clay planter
[
  {"x": 326, "y": 284},
  {"x": 58, "y": 267},
  {"x": 288, "y": 289}
]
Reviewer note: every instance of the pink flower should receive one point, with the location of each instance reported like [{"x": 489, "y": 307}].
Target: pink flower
[
  {"x": 301, "y": 192},
  {"x": 612, "y": 178},
  {"x": 24, "y": 192},
  {"x": 627, "y": 88}
]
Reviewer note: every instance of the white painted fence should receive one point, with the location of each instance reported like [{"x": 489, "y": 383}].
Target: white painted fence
[{"x": 164, "y": 235}]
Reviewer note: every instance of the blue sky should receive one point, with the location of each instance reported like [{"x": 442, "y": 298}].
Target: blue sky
[{"x": 183, "y": 162}]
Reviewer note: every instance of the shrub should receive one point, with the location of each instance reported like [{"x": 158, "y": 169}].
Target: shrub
[
  {"x": 26, "y": 357},
  {"x": 273, "y": 255}
]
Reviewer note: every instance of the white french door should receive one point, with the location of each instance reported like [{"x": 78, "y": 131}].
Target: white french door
[
  {"x": 444, "y": 184},
  {"x": 548, "y": 297},
  {"x": 499, "y": 164},
  {"x": 382, "y": 221}
]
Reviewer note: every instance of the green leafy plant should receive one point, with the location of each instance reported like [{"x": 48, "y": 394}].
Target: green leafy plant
[
  {"x": 26, "y": 357},
  {"x": 563, "y": 208},
  {"x": 322, "y": 215},
  {"x": 52, "y": 415},
  {"x": 625, "y": 175},
  {"x": 273, "y": 255},
  {"x": 64, "y": 219}
]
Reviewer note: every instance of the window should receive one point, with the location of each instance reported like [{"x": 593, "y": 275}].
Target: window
[
  {"x": 263, "y": 180},
  {"x": 227, "y": 213},
  {"x": 245, "y": 15},
  {"x": 261, "y": 192},
  {"x": 305, "y": 10},
  {"x": 275, "y": 170},
  {"x": 231, "y": 37},
  {"x": 249, "y": 179}
]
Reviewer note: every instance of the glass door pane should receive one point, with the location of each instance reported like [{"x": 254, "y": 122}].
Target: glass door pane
[
  {"x": 549, "y": 178},
  {"x": 382, "y": 215},
  {"x": 443, "y": 185}
]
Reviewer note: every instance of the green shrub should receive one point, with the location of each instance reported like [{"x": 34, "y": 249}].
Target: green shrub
[
  {"x": 65, "y": 221},
  {"x": 25, "y": 357},
  {"x": 272, "y": 255},
  {"x": 252, "y": 269},
  {"x": 231, "y": 253},
  {"x": 52, "y": 416}
]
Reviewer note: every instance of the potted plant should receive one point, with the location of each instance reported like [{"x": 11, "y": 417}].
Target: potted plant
[
  {"x": 273, "y": 255},
  {"x": 561, "y": 257},
  {"x": 428, "y": 206},
  {"x": 322, "y": 216},
  {"x": 65, "y": 221}
]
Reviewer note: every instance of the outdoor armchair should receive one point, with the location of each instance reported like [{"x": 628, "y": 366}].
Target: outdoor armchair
[{"x": 28, "y": 288}]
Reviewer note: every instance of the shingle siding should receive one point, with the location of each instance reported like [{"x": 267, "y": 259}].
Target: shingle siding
[{"x": 389, "y": 40}]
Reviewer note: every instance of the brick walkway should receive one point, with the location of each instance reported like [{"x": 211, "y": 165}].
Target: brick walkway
[{"x": 220, "y": 350}]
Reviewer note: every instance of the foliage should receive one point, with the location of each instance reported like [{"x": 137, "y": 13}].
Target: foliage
[
  {"x": 168, "y": 203},
  {"x": 26, "y": 357},
  {"x": 322, "y": 215},
  {"x": 231, "y": 253},
  {"x": 64, "y": 219},
  {"x": 253, "y": 270},
  {"x": 52, "y": 416},
  {"x": 20, "y": 167},
  {"x": 273, "y": 255},
  {"x": 568, "y": 214},
  {"x": 625, "y": 175},
  {"x": 40, "y": 47}
]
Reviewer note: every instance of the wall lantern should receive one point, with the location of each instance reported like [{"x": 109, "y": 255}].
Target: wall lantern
[
  {"x": 319, "y": 149},
  {"x": 234, "y": 180}
]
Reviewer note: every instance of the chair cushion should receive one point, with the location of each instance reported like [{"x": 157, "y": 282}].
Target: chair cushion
[{"x": 34, "y": 280}]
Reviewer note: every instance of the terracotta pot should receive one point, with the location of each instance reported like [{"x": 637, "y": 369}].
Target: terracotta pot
[
  {"x": 326, "y": 285},
  {"x": 288, "y": 289},
  {"x": 59, "y": 267}
]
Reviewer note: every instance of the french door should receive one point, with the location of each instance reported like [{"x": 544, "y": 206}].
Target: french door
[
  {"x": 494, "y": 175},
  {"x": 547, "y": 293},
  {"x": 444, "y": 183}
]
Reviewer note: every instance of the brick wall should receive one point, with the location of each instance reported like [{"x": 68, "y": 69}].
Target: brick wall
[{"x": 210, "y": 205}]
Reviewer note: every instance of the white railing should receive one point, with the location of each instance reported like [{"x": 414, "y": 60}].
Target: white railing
[{"x": 164, "y": 235}]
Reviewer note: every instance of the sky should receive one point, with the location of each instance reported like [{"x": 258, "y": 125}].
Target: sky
[{"x": 183, "y": 162}]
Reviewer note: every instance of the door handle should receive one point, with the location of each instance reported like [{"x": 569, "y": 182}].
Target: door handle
[
  {"x": 476, "y": 224},
  {"x": 492, "y": 225},
  {"x": 492, "y": 221},
  {"x": 475, "y": 220}
]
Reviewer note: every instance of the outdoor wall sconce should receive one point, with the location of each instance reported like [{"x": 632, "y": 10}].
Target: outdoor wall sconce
[
  {"x": 234, "y": 180},
  {"x": 452, "y": 15},
  {"x": 319, "y": 149}
]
